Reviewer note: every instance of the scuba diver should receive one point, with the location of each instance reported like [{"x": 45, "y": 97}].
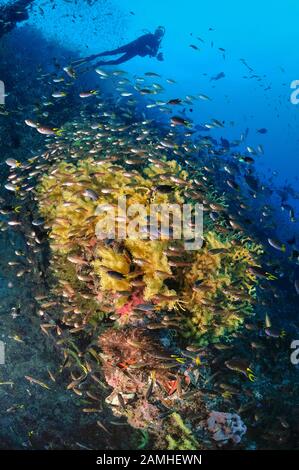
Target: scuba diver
[
  {"x": 12, "y": 14},
  {"x": 146, "y": 45}
]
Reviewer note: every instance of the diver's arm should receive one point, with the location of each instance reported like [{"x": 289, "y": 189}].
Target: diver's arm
[{"x": 155, "y": 48}]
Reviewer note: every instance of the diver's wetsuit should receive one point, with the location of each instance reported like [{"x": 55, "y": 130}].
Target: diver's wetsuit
[
  {"x": 148, "y": 44},
  {"x": 12, "y": 14}
]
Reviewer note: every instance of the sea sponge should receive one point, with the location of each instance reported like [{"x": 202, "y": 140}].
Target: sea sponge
[{"x": 226, "y": 427}]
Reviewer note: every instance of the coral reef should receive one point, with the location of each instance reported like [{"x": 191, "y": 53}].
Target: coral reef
[
  {"x": 140, "y": 372},
  {"x": 209, "y": 291},
  {"x": 139, "y": 315}
]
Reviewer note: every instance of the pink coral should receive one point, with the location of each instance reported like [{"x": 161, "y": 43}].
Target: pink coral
[
  {"x": 128, "y": 308},
  {"x": 226, "y": 426},
  {"x": 144, "y": 415}
]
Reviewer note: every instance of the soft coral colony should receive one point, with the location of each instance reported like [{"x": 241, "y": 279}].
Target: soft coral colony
[
  {"x": 128, "y": 295},
  {"x": 140, "y": 279}
]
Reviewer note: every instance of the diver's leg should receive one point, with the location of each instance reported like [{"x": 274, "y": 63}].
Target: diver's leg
[
  {"x": 120, "y": 50},
  {"x": 123, "y": 58},
  {"x": 84, "y": 59},
  {"x": 120, "y": 60}
]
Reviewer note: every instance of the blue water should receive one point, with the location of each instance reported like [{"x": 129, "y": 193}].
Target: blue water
[{"x": 265, "y": 34}]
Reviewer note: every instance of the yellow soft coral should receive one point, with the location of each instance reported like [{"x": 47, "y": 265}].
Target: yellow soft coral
[{"x": 210, "y": 288}]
